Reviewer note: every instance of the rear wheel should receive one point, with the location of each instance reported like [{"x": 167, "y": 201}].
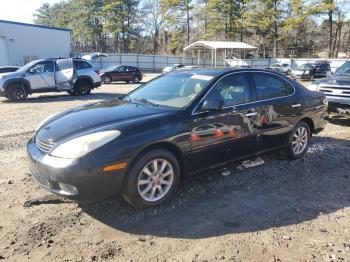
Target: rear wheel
[
  {"x": 299, "y": 140},
  {"x": 17, "y": 92},
  {"x": 152, "y": 179},
  {"x": 136, "y": 79},
  {"x": 83, "y": 87}
]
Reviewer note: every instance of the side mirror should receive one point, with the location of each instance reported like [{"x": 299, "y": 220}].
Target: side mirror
[{"x": 213, "y": 105}]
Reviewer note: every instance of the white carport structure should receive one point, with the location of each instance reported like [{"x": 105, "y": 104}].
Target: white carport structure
[{"x": 215, "y": 46}]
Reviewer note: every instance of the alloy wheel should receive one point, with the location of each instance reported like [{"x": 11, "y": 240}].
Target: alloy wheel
[
  {"x": 155, "y": 180},
  {"x": 300, "y": 140}
]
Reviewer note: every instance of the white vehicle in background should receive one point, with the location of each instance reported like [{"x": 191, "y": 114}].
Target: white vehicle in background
[
  {"x": 175, "y": 67},
  {"x": 171, "y": 68},
  {"x": 73, "y": 75},
  {"x": 279, "y": 67}
]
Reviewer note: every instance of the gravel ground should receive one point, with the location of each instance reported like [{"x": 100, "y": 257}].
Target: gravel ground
[{"x": 280, "y": 211}]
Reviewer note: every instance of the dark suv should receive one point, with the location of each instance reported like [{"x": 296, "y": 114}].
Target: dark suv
[
  {"x": 121, "y": 73},
  {"x": 310, "y": 71}
]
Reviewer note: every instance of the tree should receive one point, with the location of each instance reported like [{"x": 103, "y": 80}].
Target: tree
[{"x": 152, "y": 21}]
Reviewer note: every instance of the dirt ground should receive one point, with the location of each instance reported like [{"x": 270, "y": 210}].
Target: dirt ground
[{"x": 280, "y": 211}]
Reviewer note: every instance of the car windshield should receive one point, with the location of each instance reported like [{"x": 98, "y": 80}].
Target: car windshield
[
  {"x": 306, "y": 67},
  {"x": 174, "y": 90},
  {"x": 344, "y": 69}
]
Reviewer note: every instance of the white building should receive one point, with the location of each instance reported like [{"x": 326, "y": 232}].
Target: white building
[{"x": 21, "y": 43}]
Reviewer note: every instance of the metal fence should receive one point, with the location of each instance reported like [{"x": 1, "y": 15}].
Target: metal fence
[
  {"x": 156, "y": 63},
  {"x": 294, "y": 63},
  {"x": 153, "y": 63}
]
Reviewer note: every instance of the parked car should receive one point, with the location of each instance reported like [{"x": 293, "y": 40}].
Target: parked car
[
  {"x": 181, "y": 123},
  {"x": 8, "y": 69},
  {"x": 75, "y": 76},
  {"x": 171, "y": 68},
  {"x": 121, "y": 73},
  {"x": 310, "y": 71},
  {"x": 280, "y": 68},
  {"x": 336, "y": 89}
]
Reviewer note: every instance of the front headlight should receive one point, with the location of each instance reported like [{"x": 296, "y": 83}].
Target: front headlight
[
  {"x": 313, "y": 87},
  {"x": 2, "y": 76},
  {"x": 83, "y": 145}
]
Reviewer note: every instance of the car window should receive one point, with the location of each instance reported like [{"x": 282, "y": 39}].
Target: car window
[
  {"x": 42, "y": 67},
  {"x": 130, "y": 69},
  {"x": 269, "y": 86},
  {"x": 233, "y": 90},
  {"x": 120, "y": 69},
  {"x": 81, "y": 64}
]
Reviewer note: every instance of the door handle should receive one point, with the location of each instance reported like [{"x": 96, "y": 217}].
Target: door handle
[
  {"x": 296, "y": 105},
  {"x": 250, "y": 114}
]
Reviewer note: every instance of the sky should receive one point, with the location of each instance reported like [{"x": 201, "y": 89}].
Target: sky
[{"x": 21, "y": 10}]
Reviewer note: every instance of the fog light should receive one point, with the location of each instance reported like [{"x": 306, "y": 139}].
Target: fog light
[{"x": 68, "y": 190}]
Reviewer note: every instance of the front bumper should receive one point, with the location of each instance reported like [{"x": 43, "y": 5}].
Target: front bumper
[{"x": 75, "y": 179}]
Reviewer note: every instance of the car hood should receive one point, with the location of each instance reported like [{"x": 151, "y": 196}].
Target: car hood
[
  {"x": 97, "y": 116},
  {"x": 335, "y": 80},
  {"x": 12, "y": 74}
]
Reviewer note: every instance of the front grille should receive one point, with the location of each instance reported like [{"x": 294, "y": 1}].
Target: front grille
[
  {"x": 335, "y": 91},
  {"x": 41, "y": 180},
  {"x": 43, "y": 145}
]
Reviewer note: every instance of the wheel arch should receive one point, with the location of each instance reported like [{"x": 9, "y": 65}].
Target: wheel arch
[
  {"x": 84, "y": 78},
  {"x": 175, "y": 150},
  {"x": 309, "y": 122},
  {"x": 21, "y": 81}
]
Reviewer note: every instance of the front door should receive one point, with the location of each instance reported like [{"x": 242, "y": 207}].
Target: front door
[
  {"x": 41, "y": 76},
  {"x": 223, "y": 135},
  {"x": 119, "y": 74},
  {"x": 65, "y": 73}
]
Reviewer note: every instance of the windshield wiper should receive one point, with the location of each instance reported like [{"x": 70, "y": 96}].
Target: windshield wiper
[{"x": 145, "y": 101}]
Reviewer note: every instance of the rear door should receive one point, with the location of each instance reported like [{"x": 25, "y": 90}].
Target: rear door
[
  {"x": 220, "y": 136},
  {"x": 277, "y": 107},
  {"x": 65, "y": 73}
]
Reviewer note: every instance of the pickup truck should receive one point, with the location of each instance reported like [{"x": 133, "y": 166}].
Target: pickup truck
[{"x": 336, "y": 89}]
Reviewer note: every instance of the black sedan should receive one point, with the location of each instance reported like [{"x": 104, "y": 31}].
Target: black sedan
[{"x": 178, "y": 124}]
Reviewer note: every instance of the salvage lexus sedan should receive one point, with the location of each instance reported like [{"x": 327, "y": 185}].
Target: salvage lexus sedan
[{"x": 178, "y": 124}]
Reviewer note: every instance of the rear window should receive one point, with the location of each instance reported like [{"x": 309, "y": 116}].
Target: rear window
[
  {"x": 269, "y": 86},
  {"x": 130, "y": 69},
  {"x": 81, "y": 64}
]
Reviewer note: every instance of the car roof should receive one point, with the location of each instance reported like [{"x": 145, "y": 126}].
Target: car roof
[{"x": 220, "y": 71}]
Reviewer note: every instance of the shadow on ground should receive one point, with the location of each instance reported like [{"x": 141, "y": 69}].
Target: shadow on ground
[{"x": 278, "y": 193}]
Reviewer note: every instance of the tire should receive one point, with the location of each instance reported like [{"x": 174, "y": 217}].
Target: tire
[
  {"x": 17, "y": 92},
  {"x": 149, "y": 192},
  {"x": 136, "y": 79},
  {"x": 107, "y": 80},
  {"x": 312, "y": 77},
  {"x": 83, "y": 87},
  {"x": 299, "y": 140}
]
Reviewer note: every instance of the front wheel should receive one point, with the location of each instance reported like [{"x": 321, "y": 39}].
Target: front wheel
[
  {"x": 107, "y": 80},
  {"x": 299, "y": 140},
  {"x": 152, "y": 179},
  {"x": 17, "y": 92}
]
